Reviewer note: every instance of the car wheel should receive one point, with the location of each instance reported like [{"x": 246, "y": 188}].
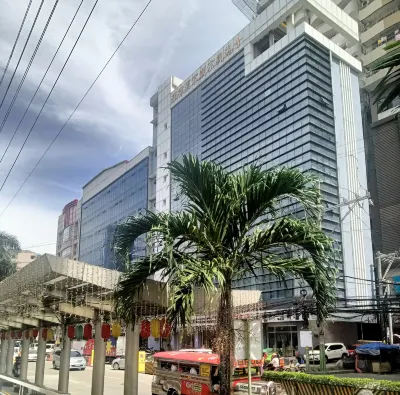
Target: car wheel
[
  {"x": 344, "y": 356},
  {"x": 83, "y": 369},
  {"x": 326, "y": 359},
  {"x": 116, "y": 366}
]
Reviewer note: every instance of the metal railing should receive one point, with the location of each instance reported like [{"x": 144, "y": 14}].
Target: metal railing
[{"x": 23, "y": 387}]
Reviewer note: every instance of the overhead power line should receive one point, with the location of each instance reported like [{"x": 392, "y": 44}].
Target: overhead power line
[
  {"x": 16, "y": 41},
  {"x": 48, "y": 96},
  {"x": 27, "y": 71},
  {"x": 41, "y": 82},
  {"x": 80, "y": 102},
  {"x": 23, "y": 51}
]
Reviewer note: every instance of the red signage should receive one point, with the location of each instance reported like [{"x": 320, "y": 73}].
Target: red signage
[{"x": 191, "y": 388}]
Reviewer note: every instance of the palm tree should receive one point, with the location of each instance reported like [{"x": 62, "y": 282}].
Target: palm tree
[
  {"x": 9, "y": 247},
  {"x": 231, "y": 226},
  {"x": 389, "y": 87}
]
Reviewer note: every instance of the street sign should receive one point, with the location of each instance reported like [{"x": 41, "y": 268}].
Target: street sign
[{"x": 306, "y": 339}]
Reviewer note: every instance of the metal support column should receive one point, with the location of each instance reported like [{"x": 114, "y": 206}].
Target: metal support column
[
  {"x": 40, "y": 360},
  {"x": 10, "y": 356},
  {"x": 99, "y": 361},
  {"x": 63, "y": 377},
  {"x": 131, "y": 377},
  {"x": 24, "y": 359}
]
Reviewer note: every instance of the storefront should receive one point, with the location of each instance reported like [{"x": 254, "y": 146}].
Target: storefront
[{"x": 281, "y": 338}]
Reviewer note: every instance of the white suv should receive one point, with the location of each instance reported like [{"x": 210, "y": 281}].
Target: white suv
[{"x": 332, "y": 351}]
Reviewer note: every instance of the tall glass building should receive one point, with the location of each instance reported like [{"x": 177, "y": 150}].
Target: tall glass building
[
  {"x": 279, "y": 93},
  {"x": 108, "y": 199}
]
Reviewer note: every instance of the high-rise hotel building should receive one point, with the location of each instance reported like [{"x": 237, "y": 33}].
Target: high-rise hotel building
[{"x": 280, "y": 92}]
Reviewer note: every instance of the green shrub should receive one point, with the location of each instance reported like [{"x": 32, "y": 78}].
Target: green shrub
[{"x": 332, "y": 380}]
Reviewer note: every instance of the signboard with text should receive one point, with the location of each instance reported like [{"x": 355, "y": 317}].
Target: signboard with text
[{"x": 220, "y": 58}]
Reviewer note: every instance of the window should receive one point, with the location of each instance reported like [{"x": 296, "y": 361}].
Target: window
[
  {"x": 164, "y": 202},
  {"x": 165, "y": 178},
  {"x": 165, "y": 155},
  {"x": 75, "y": 354}
]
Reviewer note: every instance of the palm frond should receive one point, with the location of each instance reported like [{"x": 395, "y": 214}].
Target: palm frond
[
  {"x": 194, "y": 273},
  {"x": 132, "y": 282},
  {"x": 128, "y": 232},
  {"x": 312, "y": 256},
  {"x": 389, "y": 87},
  {"x": 260, "y": 191}
]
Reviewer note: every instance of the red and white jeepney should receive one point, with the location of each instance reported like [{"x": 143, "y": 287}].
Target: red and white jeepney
[{"x": 197, "y": 373}]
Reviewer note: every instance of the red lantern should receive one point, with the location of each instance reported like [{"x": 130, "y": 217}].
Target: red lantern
[
  {"x": 71, "y": 332},
  {"x": 35, "y": 333},
  {"x": 19, "y": 334},
  {"x": 12, "y": 335},
  {"x": 3, "y": 335},
  {"x": 165, "y": 328},
  {"x": 87, "y": 332},
  {"x": 26, "y": 334},
  {"x": 145, "y": 329},
  {"x": 105, "y": 331},
  {"x": 44, "y": 333}
]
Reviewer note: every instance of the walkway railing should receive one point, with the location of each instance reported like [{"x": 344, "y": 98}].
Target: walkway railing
[{"x": 12, "y": 386}]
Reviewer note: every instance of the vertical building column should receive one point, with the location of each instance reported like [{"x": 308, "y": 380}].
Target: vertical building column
[
  {"x": 289, "y": 23},
  {"x": 10, "y": 355},
  {"x": 24, "y": 359},
  {"x": 63, "y": 377},
  {"x": 40, "y": 360},
  {"x": 3, "y": 356},
  {"x": 99, "y": 361},
  {"x": 271, "y": 38},
  {"x": 131, "y": 376}
]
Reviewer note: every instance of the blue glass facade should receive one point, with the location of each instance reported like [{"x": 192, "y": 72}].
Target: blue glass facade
[
  {"x": 280, "y": 114},
  {"x": 124, "y": 197}
]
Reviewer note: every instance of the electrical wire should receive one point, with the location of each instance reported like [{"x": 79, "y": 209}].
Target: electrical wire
[
  {"x": 73, "y": 112},
  {"x": 41, "y": 82},
  {"x": 48, "y": 96},
  {"x": 16, "y": 41},
  {"x": 23, "y": 51},
  {"x": 26, "y": 72}
]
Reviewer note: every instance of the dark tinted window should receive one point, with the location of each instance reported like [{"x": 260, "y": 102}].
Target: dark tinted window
[
  {"x": 335, "y": 347},
  {"x": 75, "y": 354},
  {"x": 58, "y": 352}
]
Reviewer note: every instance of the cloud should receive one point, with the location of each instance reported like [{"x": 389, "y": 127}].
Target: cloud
[{"x": 113, "y": 123}]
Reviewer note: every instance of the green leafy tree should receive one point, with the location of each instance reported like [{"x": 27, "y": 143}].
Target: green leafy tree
[
  {"x": 9, "y": 247},
  {"x": 231, "y": 225},
  {"x": 389, "y": 87}
]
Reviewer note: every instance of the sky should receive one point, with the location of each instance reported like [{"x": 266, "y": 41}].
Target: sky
[{"x": 173, "y": 37}]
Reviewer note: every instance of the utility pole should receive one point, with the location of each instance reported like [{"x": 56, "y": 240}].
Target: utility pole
[
  {"x": 390, "y": 317},
  {"x": 380, "y": 292}
]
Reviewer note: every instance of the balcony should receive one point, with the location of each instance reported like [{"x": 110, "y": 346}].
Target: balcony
[
  {"x": 371, "y": 7},
  {"x": 388, "y": 21},
  {"x": 372, "y": 79},
  {"x": 376, "y": 52}
]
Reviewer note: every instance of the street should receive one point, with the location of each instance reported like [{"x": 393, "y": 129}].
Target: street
[{"x": 80, "y": 382}]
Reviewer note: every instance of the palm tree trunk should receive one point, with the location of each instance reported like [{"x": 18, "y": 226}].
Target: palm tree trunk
[{"x": 224, "y": 344}]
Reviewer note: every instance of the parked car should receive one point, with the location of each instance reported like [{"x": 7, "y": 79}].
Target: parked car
[
  {"x": 76, "y": 360},
  {"x": 118, "y": 363},
  {"x": 332, "y": 351},
  {"x": 32, "y": 355}
]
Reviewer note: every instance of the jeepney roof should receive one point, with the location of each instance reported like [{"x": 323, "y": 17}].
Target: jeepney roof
[{"x": 197, "y": 357}]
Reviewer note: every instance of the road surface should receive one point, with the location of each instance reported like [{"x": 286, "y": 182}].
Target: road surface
[{"x": 80, "y": 382}]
